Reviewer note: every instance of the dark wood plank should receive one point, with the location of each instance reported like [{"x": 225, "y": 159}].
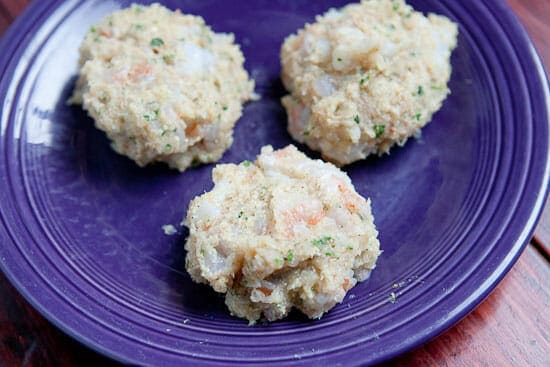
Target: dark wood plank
[
  {"x": 12, "y": 8},
  {"x": 535, "y": 16},
  {"x": 5, "y": 21},
  {"x": 542, "y": 232},
  {"x": 27, "y": 339},
  {"x": 511, "y": 328}
]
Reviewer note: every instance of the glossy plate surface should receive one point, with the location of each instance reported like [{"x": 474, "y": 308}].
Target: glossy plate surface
[{"x": 80, "y": 226}]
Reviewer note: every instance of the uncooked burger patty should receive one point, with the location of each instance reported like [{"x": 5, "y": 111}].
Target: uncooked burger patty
[
  {"x": 162, "y": 85},
  {"x": 284, "y": 231},
  {"x": 365, "y": 77}
]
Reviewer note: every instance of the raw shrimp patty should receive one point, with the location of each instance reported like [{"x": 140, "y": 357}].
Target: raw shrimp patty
[
  {"x": 365, "y": 77},
  {"x": 284, "y": 231},
  {"x": 162, "y": 85}
]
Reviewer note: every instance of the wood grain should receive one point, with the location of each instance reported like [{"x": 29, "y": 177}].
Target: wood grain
[
  {"x": 542, "y": 232},
  {"x": 535, "y": 16},
  {"x": 511, "y": 328},
  {"x": 27, "y": 339}
]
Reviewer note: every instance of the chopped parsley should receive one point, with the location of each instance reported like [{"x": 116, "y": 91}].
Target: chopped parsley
[
  {"x": 168, "y": 146},
  {"x": 321, "y": 241},
  {"x": 152, "y": 117},
  {"x": 437, "y": 87},
  {"x": 329, "y": 253},
  {"x": 224, "y": 108},
  {"x": 92, "y": 29},
  {"x": 240, "y": 214},
  {"x": 339, "y": 59},
  {"x": 420, "y": 90},
  {"x": 308, "y": 131},
  {"x": 289, "y": 256},
  {"x": 155, "y": 42},
  {"x": 202, "y": 252},
  {"x": 379, "y": 130},
  {"x": 364, "y": 80},
  {"x": 349, "y": 247},
  {"x": 395, "y": 6},
  {"x": 357, "y": 119},
  {"x": 169, "y": 59},
  {"x": 247, "y": 163},
  {"x": 278, "y": 261},
  {"x": 417, "y": 116}
]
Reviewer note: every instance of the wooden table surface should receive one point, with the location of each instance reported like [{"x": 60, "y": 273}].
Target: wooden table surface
[{"x": 510, "y": 328}]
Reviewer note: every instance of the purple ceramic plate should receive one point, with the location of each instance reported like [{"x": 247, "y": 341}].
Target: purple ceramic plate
[{"x": 80, "y": 226}]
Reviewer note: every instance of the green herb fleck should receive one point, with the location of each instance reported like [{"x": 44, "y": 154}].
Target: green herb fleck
[
  {"x": 240, "y": 214},
  {"x": 393, "y": 297},
  {"x": 155, "y": 42},
  {"x": 364, "y": 80},
  {"x": 169, "y": 59},
  {"x": 138, "y": 9},
  {"x": 420, "y": 90},
  {"x": 437, "y": 87},
  {"x": 417, "y": 116},
  {"x": 289, "y": 256},
  {"x": 224, "y": 108},
  {"x": 308, "y": 131},
  {"x": 321, "y": 241},
  {"x": 168, "y": 146},
  {"x": 339, "y": 59},
  {"x": 329, "y": 253},
  {"x": 163, "y": 132},
  {"x": 349, "y": 247},
  {"x": 92, "y": 29},
  {"x": 278, "y": 261},
  {"x": 395, "y": 6},
  {"x": 202, "y": 252},
  {"x": 247, "y": 163},
  {"x": 357, "y": 119},
  {"x": 379, "y": 130},
  {"x": 139, "y": 27},
  {"x": 152, "y": 117}
]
